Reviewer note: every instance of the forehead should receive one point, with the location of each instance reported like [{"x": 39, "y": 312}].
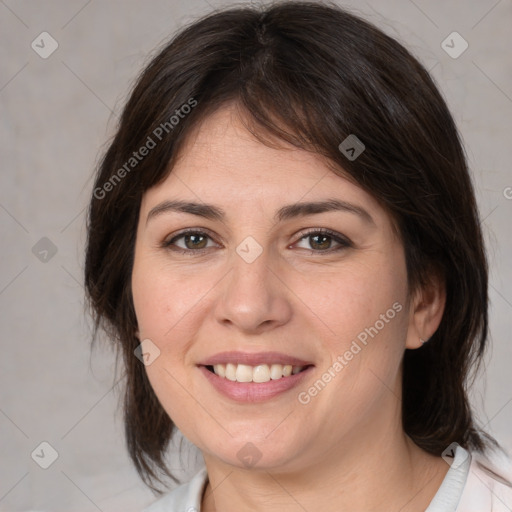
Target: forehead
[
  {"x": 221, "y": 143},
  {"x": 221, "y": 160}
]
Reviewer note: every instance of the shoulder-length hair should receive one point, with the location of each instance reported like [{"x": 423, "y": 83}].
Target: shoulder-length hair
[{"x": 308, "y": 74}]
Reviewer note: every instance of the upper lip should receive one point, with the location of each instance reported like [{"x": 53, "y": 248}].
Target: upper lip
[{"x": 253, "y": 359}]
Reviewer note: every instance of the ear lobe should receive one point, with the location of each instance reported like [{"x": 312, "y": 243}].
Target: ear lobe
[{"x": 426, "y": 312}]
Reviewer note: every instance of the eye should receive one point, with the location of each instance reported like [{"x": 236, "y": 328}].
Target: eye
[
  {"x": 322, "y": 240},
  {"x": 188, "y": 241},
  {"x": 319, "y": 240}
]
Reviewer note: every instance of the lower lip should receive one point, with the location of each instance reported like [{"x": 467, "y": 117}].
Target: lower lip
[{"x": 254, "y": 391}]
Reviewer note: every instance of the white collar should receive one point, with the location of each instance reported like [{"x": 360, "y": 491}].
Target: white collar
[{"x": 450, "y": 492}]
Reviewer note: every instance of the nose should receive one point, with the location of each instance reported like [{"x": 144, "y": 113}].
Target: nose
[{"x": 253, "y": 299}]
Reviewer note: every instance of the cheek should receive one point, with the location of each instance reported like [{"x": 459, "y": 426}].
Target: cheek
[
  {"x": 363, "y": 312},
  {"x": 359, "y": 297},
  {"x": 162, "y": 297},
  {"x": 368, "y": 313},
  {"x": 167, "y": 303}
]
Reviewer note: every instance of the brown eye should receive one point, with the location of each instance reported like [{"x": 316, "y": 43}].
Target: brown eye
[
  {"x": 195, "y": 241},
  {"x": 189, "y": 242},
  {"x": 324, "y": 241},
  {"x": 321, "y": 242}
]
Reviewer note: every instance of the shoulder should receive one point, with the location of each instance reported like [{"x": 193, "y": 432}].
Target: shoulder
[
  {"x": 184, "y": 498},
  {"x": 488, "y": 485}
]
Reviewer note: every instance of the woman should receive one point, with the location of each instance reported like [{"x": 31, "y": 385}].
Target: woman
[{"x": 284, "y": 243}]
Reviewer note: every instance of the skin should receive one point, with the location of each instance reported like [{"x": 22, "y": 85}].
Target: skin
[{"x": 297, "y": 298}]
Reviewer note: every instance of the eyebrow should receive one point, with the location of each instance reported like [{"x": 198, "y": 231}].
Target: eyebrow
[{"x": 211, "y": 212}]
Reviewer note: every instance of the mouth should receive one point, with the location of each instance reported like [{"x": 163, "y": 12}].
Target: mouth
[
  {"x": 246, "y": 377},
  {"x": 260, "y": 374}
]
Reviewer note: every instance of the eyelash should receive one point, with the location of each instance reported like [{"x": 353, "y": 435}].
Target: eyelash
[{"x": 343, "y": 242}]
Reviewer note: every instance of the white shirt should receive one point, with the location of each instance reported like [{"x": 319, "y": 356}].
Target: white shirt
[{"x": 467, "y": 487}]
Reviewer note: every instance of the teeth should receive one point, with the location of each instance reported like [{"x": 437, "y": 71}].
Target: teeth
[
  {"x": 276, "y": 371},
  {"x": 230, "y": 371},
  {"x": 260, "y": 373},
  {"x": 220, "y": 370},
  {"x": 243, "y": 373}
]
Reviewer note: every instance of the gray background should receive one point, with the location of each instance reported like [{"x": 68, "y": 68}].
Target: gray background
[{"x": 57, "y": 114}]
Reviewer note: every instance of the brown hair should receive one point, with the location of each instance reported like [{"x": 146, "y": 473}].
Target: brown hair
[{"x": 308, "y": 74}]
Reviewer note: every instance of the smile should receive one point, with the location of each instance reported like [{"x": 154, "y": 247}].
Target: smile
[
  {"x": 260, "y": 373},
  {"x": 254, "y": 377}
]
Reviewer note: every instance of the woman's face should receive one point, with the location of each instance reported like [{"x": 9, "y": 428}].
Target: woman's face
[{"x": 289, "y": 268}]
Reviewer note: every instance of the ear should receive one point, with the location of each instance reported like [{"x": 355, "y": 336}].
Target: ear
[{"x": 426, "y": 310}]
